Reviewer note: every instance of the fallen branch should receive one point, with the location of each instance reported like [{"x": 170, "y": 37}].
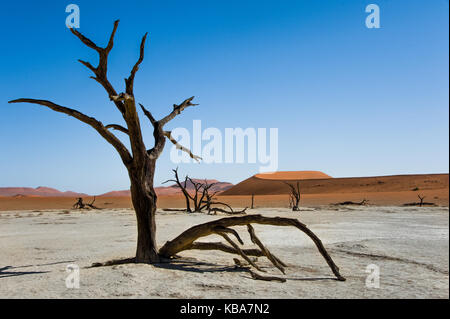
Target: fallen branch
[
  {"x": 275, "y": 261},
  {"x": 231, "y": 212},
  {"x": 186, "y": 240},
  {"x": 255, "y": 275},
  {"x": 361, "y": 203}
]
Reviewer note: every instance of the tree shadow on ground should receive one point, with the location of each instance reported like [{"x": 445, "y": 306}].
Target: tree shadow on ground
[
  {"x": 4, "y": 271},
  {"x": 192, "y": 265},
  {"x": 4, "y": 274}
]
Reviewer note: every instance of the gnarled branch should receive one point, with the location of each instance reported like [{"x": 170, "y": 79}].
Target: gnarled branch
[
  {"x": 148, "y": 114},
  {"x": 240, "y": 251},
  {"x": 275, "y": 261},
  {"x": 177, "y": 109},
  {"x": 130, "y": 81},
  {"x": 101, "y": 70}
]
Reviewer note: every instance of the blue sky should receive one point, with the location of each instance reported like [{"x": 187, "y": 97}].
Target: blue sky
[{"x": 347, "y": 100}]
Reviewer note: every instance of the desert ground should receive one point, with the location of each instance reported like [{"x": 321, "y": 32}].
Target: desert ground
[{"x": 410, "y": 245}]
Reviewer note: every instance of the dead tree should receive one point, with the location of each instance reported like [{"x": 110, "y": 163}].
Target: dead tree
[
  {"x": 140, "y": 163},
  {"x": 196, "y": 199},
  {"x": 200, "y": 196},
  {"x": 253, "y": 201},
  {"x": 294, "y": 197},
  {"x": 291, "y": 201},
  {"x": 183, "y": 189},
  {"x": 91, "y": 204},
  {"x": 81, "y": 205},
  {"x": 208, "y": 199},
  {"x": 421, "y": 203},
  {"x": 421, "y": 198},
  {"x": 183, "y": 186}
]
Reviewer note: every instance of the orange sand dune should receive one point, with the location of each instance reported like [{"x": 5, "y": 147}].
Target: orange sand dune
[
  {"x": 396, "y": 183},
  {"x": 269, "y": 192},
  {"x": 439, "y": 197}
]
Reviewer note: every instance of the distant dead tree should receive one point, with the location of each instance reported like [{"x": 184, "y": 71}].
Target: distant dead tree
[
  {"x": 361, "y": 203},
  {"x": 140, "y": 163},
  {"x": 294, "y": 197},
  {"x": 420, "y": 203},
  {"x": 182, "y": 187},
  {"x": 201, "y": 196},
  {"x": 253, "y": 201},
  {"x": 421, "y": 198},
  {"x": 200, "y": 192},
  {"x": 81, "y": 205}
]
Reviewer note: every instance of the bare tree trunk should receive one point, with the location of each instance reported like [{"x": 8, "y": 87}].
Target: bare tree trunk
[{"x": 144, "y": 202}]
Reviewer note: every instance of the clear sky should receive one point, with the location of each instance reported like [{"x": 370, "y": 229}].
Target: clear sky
[{"x": 347, "y": 100}]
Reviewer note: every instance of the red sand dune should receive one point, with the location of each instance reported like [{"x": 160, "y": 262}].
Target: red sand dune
[
  {"x": 51, "y": 192},
  {"x": 174, "y": 190},
  {"x": 38, "y": 191},
  {"x": 124, "y": 193}
]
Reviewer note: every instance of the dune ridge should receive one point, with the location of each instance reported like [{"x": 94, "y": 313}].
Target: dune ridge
[
  {"x": 38, "y": 191},
  {"x": 292, "y": 175},
  {"x": 42, "y": 191},
  {"x": 394, "y": 183}
]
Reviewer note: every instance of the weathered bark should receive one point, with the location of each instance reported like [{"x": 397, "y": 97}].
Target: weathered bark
[{"x": 144, "y": 200}]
